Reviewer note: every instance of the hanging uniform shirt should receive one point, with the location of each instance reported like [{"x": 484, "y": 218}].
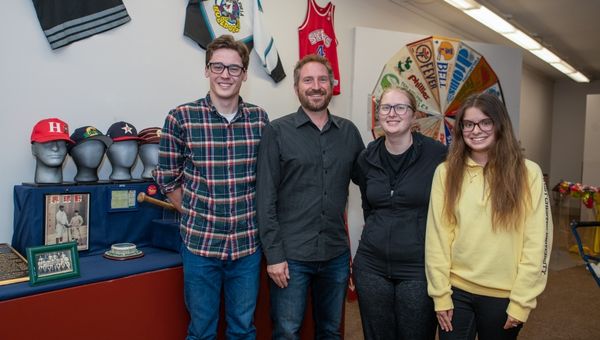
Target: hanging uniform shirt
[
  {"x": 317, "y": 36},
  {"x": 208, "y": 19},
  {"x": 67, "y": 21}
]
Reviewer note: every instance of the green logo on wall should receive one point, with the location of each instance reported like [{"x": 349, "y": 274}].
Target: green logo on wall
[
  {"x": 389, "y": 80},
  {"x": 404, "y": 66}
]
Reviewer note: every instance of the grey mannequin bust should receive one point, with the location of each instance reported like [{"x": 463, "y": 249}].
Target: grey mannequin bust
[
  {"x": 49, "y": 160},
  {"x": 87, "y": 157},
  {"x": 149, "y": 156},
  {"x": 122, "y": 156}
]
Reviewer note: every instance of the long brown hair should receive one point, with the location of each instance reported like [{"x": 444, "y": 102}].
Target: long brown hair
[{"x": 505, "y": 171}]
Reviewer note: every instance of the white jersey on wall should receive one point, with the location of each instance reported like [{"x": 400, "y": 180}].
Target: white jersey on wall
[{"x": 206, "y": 20}]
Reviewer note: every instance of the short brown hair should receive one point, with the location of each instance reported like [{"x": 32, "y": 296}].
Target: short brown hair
[
  {"x": 227, "y": 41},
  {"x": 309, "y": 59}
]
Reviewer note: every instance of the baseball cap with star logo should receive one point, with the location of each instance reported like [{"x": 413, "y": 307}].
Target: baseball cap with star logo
[
  {"x": 88, "y": 132},
  {"x": 50, "y": 129},
  {"x": 120, "y": 131}
]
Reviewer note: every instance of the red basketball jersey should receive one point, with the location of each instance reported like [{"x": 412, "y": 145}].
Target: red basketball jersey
[{"x": 316, "y": 36}]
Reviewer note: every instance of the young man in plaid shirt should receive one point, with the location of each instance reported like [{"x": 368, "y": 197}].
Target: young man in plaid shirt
[{"x": 207, "y": 169}]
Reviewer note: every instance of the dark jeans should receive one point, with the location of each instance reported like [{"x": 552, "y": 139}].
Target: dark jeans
[
  {"x": 393, "y": 309},
  {"x": 328, "y": 281},
  {"x": 479, "y": 315},
  {"x": 204, "y": 277}
]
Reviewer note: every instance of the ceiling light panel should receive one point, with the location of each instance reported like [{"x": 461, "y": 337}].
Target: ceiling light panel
[{"x": 493, "y": 21}]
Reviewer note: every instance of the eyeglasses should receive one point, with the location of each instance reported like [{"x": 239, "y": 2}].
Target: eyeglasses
[
  {"x": 400, "y": 109},
  {"x": 484, "y": 125},
  {"x": 233, "y": 69}
]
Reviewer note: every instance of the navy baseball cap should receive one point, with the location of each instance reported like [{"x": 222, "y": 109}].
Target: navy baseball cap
[
  {"x": 86, "y": 133},
  {"x": 120, "y": 131}
]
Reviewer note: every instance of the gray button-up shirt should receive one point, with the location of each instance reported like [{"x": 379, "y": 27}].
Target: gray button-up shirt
[{"x": 302, "y": 187}]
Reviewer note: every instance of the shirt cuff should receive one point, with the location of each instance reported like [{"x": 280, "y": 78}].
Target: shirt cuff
[
  {"x": 517, "y": 311},
  {"x": 443, "y": 303},
  {"x": 274, "y": 256}
]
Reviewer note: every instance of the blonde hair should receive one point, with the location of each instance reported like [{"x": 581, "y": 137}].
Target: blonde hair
[{"x": 410, "y": 96}]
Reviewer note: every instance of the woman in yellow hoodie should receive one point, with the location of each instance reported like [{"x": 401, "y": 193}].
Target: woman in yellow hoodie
[{"x": 489, "y": 228}]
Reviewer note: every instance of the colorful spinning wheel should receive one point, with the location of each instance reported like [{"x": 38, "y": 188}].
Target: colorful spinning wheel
[{"x": 441, "y": 73}]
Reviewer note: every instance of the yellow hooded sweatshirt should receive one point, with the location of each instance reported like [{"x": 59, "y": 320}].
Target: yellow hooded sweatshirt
[{"x": 472, "y": 257}]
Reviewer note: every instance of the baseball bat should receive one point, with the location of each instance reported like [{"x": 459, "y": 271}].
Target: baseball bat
[{"x": 142, "y": 197}]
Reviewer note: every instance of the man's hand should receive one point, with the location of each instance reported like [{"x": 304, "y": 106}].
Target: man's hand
[
  {"x": 445, "y": 319},
  {"x": 175, "y": 197},
  {"x": 279, "y": 273}
]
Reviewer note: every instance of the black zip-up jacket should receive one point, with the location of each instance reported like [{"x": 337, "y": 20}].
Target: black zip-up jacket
[{"x": 393, "y": 238}]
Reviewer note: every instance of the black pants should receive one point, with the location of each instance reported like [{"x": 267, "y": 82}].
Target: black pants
[
  {"x": 479, "y": 315},
  {"x": 393, "y": 309}
]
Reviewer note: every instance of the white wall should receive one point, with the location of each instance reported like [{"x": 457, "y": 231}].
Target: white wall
[
  {"x": 535, "y": 117},
  {"x": 137, "y": 72},
  {"x": 591, "y": 156},
  {"x": 568, "y": 129}
]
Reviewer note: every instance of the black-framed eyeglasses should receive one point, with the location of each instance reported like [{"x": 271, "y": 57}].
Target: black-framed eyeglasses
[
  {"x": 484, "y": 125},
  {"x": 400, "y": 109},
  {"x": 233, "y": 69}
]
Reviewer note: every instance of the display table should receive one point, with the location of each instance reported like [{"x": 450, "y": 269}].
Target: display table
[
  {"x": 108, "y": 220},
  {"x": 97, "y": 269},
  {"x": 145, "y": 306},
  {"x": 135, "y": 299}
]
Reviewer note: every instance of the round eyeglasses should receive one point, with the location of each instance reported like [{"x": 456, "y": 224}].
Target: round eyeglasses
[
  {"x": 233, "y": 69},
  {"x": 400, "y": 109},
  {"x": 484, "y": 125}
]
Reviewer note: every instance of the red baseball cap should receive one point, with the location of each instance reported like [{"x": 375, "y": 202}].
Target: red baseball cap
[{"x": 50, "y": 129}]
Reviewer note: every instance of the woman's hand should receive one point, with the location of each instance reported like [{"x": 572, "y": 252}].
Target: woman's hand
[
  {"x": 445, "y": 319},
  {"x": 511, "y": 323}
]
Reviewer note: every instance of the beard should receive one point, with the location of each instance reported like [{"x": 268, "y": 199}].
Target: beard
[{"x": 320, "y": 105}]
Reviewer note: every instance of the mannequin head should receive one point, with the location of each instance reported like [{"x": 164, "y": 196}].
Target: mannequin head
[
  {"x": 149, "y": 139},
  {"x": 87, "y": 157},
  {"x": 50, "y": 154},
  {"x": 88, "y": 152},
  {"x": 122, "y": 153},
  {"x": 49, "y": 140},
  {"x": 122, "y": 156},
  {"x": 149, "y": 157}
]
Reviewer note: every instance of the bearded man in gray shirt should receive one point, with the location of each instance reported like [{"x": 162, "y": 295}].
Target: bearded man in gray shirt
[{"x": 305, "y": 163}]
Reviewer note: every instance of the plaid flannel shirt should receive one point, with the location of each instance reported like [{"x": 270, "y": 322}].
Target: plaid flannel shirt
[{"x": 214, "y": 162}]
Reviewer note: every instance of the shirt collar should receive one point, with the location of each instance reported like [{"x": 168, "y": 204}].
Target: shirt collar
[
  {"x": 301, "y": 118},
  {"x": 213, "y": 109},
  {"x": 472, "y": 164}
]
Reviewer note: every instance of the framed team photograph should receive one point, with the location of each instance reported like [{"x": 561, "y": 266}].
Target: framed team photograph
[
  {"x": 67, "y": 219},
  {"x": 54, "y": 262}
]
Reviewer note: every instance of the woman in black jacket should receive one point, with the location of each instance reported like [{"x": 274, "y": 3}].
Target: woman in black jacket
[{"x": 388, "y": 270}]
